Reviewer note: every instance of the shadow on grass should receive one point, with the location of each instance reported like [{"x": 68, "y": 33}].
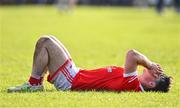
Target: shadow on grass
[
  {"x": 44, "y": 91},
  {"x": 74, "y": 91}
]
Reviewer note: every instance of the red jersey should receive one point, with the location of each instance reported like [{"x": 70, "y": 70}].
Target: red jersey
[{"x": 110, "y": 78}]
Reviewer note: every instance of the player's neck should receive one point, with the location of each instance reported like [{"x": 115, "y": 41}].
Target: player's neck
[{"x": 140, "y": 78}]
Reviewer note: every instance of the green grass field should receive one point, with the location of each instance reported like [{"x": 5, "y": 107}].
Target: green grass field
[{"x": 95, "y": 37}]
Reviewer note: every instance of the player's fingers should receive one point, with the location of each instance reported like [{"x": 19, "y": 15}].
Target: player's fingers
[
  {"x": 156, "y": 69},
  {"x": 155, "y": 75},
  {"x": 160, "y": 69},
  {"x": 157, "y": 72}
]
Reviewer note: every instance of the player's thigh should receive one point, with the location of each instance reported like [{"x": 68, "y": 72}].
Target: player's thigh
[
  {"x": 57, "y": 55},
  {"x": 60, "y": 43}
]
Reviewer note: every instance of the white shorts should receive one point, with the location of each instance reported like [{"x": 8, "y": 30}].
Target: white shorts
[{"x": 63, "y": 77}]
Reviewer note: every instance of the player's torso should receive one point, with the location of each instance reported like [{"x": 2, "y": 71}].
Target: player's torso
[{"x": 108, "y": 78}]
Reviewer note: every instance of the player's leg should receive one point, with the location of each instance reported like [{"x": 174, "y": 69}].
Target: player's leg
[
  {"x": 60, "y": 44},
  {"x": 40, "y": 59},
  {"x": 63, "y": 77},
  {"x": 53, "y": 57},
  {"x": 48, "y": 54}
]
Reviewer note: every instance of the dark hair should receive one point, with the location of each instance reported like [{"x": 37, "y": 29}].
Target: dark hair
[{"x": 163, "y": 84}]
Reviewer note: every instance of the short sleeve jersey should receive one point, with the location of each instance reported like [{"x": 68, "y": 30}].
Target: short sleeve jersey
[{"x": 111, "y": 78}]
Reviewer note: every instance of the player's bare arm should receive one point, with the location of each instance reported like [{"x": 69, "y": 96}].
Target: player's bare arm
[{"x": 135, "y": 58}]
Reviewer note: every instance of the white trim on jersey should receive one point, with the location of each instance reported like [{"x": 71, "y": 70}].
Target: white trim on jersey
[
  {"x": 142, "y": 89},
  {"x": 130, "y": 74},
  {"x": 132, "y": 79}
]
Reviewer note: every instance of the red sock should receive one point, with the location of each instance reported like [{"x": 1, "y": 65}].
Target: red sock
[{"x": 34, "y": 81}]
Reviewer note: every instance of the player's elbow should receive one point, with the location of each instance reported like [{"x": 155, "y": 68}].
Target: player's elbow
[{"x": 131, "y": 54}]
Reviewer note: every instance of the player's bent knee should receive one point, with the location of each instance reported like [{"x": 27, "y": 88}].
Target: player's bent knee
[
  {"x": 42, "y": 40},
  {"x": 44, "y": 37},
  {"x": 54, "y": 38},
  {"x": 51, "y": 36}
]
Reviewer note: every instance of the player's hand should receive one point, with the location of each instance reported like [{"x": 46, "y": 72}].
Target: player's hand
[{"x": 156, "y": 69}]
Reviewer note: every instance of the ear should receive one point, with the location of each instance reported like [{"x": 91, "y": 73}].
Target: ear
[{"x": 152, "y": 84}]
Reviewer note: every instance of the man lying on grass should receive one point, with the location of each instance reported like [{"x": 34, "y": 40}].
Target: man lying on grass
[{"x": 51, "y": 55}]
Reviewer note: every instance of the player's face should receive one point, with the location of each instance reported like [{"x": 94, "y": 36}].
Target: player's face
[{"x": 149, "y": 79}]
